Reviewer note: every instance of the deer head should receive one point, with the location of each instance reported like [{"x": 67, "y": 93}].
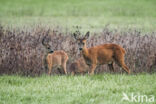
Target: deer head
[
  {"x": 81, "y": 40},
  {"x": 46, "y": 44}
]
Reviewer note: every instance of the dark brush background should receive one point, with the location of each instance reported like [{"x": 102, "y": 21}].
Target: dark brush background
[{"x": 21, "y": 51}]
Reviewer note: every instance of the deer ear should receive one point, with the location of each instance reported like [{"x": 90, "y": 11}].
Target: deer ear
[
  {"x": 75, "y": 36},
  {"x": 87, "y": 35}
]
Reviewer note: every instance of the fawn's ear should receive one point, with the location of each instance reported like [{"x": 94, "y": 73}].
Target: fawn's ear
[{"x": 87, "y": 35}]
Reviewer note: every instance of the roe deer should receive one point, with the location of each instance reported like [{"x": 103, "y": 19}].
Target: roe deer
[
  {"x": 101, "y": 54},
  {"x": 79, "y": 66},
  {"x": 55, "y": 58}
]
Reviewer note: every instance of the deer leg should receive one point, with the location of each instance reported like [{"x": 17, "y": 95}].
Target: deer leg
[
  {"x": 64, "y": 68},
  {"x": 119, "y": 58},
  {"x": 59, "y": 69},
  {"x": 92, "y": 69},
  {"x": 72, "y": 73},
  {"x": 111, "y": 67},
  {"x": 50, "y": 68},
  {"x": 122, "y": 64},
  {"x": 126, "y": 68}
]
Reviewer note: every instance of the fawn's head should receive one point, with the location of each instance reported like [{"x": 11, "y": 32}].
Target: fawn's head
[
  {"x": 81, "y": 41},
  {"x": 46, "y": 44}
]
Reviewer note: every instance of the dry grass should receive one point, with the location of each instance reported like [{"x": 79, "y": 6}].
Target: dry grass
[{"x": 21, "y": 51}]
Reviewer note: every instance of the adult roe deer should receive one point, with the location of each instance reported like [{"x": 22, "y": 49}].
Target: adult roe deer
[
  {"x": 101, "y": 54},
  {"x": 57, "y": 58}
]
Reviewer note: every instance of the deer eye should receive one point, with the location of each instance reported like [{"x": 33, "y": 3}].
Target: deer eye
[{"x": 83, "y": 43}]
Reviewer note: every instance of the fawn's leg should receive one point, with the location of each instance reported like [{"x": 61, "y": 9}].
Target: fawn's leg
[
  {"x": 64, "y": 68},
  {"x": 72, "y": 73},
  {"x": 49, "y": 68}
]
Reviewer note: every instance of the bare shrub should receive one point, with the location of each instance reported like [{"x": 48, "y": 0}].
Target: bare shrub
[{"x": 21, "y": 51}]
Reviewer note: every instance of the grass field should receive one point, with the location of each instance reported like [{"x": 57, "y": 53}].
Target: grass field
[
  {"x": 97, "y": 89},
  {"x": 90, "y": 14}
]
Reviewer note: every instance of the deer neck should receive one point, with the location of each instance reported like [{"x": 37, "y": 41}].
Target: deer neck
[{"x": 85, "y": 52}]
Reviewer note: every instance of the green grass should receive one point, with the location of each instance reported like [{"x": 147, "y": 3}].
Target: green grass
[
  {"x": 90, "y": 14},
  {"x": 97, "y": 89}
]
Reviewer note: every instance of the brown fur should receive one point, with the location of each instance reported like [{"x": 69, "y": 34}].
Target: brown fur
[
  {"x": 79, "y": 66},
  {"x": 102, "y": 54},
  {"x": 57, "y": 59}
]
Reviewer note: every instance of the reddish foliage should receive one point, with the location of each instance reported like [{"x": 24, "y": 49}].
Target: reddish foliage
[{"x": 21, "y": 51}]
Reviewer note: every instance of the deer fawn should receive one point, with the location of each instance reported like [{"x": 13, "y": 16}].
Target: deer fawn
[
  {"x": 101, "y": 54},
  {"x": 55, "y": 58},
  {"x": 79, "y": 66}
]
